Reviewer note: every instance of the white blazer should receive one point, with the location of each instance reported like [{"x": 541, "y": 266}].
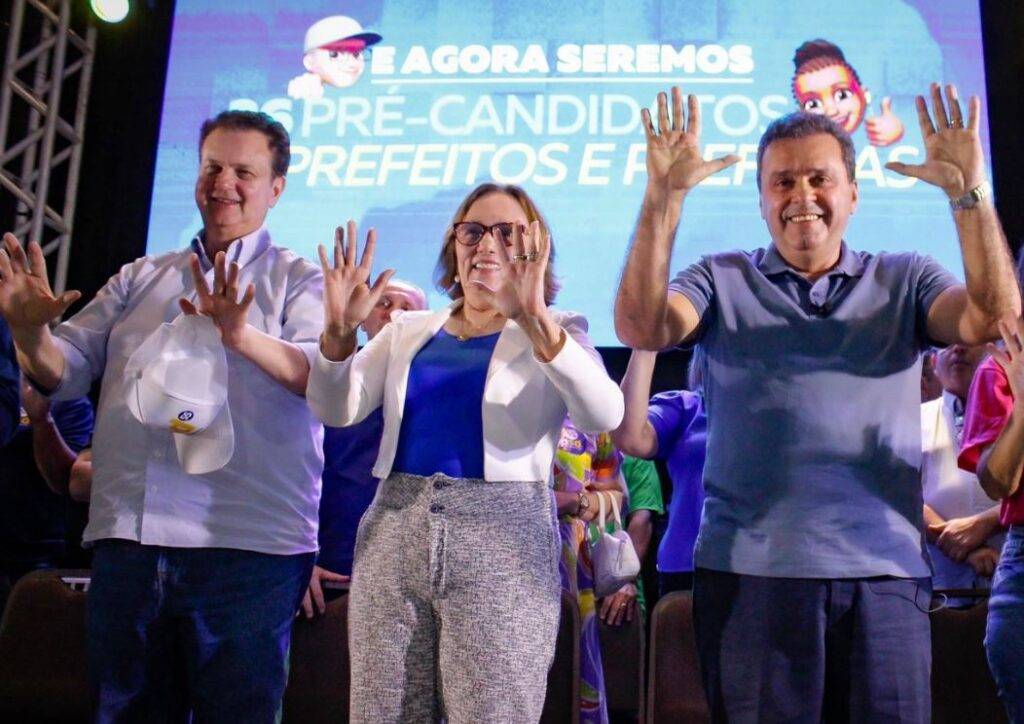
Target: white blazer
[{"x": 524, "y": 401}]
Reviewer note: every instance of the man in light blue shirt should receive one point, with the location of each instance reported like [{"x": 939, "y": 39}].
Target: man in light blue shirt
[
  {"x": 811, "y": 584},
  {"x": 213, "y": 565}
]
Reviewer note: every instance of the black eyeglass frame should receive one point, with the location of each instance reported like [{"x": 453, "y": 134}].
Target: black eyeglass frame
[{"x": 505, "y": 233}]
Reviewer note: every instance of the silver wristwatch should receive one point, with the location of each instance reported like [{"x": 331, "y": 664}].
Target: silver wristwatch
[{"x": 972, "y": 198}]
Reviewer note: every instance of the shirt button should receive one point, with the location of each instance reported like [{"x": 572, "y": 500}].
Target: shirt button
[
  {"x": 436, "y": 508},
  {"x": 438, "y": 484}
]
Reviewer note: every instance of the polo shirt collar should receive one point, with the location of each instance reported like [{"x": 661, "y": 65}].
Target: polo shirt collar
[
  {"x": 242, "y": 250},
  {"x": 850, "y": 264}
]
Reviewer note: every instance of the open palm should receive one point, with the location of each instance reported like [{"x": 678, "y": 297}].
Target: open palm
[
  {"x": 26, "y": 299},
  {"x": 674, "y": 157},
  {"x": 954, "y": 160},
  {"x": 526, "y": 262},
  {"x": 348, "y": 296},
  {"x": 222, "y": 305}
]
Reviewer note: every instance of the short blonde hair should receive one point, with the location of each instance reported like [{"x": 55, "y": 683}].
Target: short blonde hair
[{"x": 446, "y": 271}]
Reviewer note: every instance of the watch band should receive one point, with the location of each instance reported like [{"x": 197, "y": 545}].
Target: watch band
[
  {"x": 972, "y": 198},
  {"x": 582, "y": 503}
]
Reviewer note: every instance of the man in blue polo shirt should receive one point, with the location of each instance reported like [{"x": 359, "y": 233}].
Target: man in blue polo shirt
[{"x": 811, "y": 585}]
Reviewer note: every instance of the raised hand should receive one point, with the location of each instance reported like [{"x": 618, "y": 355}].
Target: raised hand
[
  {"x": 954, "y": 160},
  {"x": 348, "y": 296},
  {"x": 228, "y": 312},
  {"x": 884, "y": 129},
  {"x": 674, "y": 158},
  {"x": 1011, "y": 357},
  {"x": 26, "y": 299},
  {"x": 526, "y": 261},
  {"x": 307, "y": 86}
]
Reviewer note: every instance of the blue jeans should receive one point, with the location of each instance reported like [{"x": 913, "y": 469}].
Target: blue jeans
[
  {"x": 201, "y": 629},
  {"x": 1004, "y": 635},
  {"x": 812, "y": 650}
]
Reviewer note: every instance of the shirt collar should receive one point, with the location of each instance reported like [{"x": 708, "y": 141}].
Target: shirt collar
[
  {"x": 242, "y": 250},
  {"x": 850, "y": 264},
  {"x": 952, "y": 403}
]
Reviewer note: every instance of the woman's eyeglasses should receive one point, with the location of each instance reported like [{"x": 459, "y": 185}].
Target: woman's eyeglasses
[{"x": 470, "y": 233}]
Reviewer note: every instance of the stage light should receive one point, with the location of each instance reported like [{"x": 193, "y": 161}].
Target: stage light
[{"x": 111, "y": 11}]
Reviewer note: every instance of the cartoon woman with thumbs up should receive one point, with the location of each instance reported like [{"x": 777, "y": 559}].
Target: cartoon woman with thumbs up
[{"x": 825, "y": 83}]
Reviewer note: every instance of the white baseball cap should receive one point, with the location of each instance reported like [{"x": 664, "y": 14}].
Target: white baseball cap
[
  {"x": 178, "y": 382},
  {"x": 333, "y": 31}
]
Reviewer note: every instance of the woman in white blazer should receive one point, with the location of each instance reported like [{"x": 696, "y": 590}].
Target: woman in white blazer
[{"x": 455, "y": 593}]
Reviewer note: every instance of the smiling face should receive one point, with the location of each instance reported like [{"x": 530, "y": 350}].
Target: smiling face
[
  {"x": 955, "y": 367},
  {"x": 236, "y": 186},
  {"x": 834, "y": 92},
  {"x": 483, "y": 266},
  {"x": 806, "y": 199},
  {"x": 339, "y": 67}
]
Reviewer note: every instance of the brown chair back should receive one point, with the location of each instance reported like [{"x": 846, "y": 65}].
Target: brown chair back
[
  {"x": 622, "y": 657},
  {"x": 563, "y": 696},
  {"x": 43, "y": 670},
  {"x": 318, "y": 678},
  {"x": 962, "y": 686},
  {"x": 318, "y": 673},
  {"x": 674, "y": 690}
]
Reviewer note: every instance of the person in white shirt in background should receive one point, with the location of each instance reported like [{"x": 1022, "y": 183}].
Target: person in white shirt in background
[{"x": 962, "y": 523}]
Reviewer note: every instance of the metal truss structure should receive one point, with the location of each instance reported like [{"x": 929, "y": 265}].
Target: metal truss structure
[{"x": 44, "y": 93}]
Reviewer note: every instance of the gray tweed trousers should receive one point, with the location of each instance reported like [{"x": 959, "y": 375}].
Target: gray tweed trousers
[{"x": 455, "y": 600}]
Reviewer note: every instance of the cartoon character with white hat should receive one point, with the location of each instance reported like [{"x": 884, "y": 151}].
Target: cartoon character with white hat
[{"x": 334, "y": 55}]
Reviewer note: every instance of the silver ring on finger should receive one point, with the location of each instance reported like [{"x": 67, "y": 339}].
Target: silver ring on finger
[
  {"x": 520, "y": 257},
  {"x": 530, "y": 256}
]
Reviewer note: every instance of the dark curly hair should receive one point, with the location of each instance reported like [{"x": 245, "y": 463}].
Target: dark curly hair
[{"x": 815, "y": 55}]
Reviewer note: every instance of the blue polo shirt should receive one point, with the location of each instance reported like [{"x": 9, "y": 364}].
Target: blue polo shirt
[{"x": 812, "y": 393}]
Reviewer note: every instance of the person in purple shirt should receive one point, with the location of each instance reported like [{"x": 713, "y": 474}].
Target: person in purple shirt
[
  {"x": 810, "y": 548},
  {"x": 671, "y": 427},
  {"x": 348, "y": 485}
]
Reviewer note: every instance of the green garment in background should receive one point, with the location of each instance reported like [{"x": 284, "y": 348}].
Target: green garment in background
[{"x": 644, "y": 488}]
